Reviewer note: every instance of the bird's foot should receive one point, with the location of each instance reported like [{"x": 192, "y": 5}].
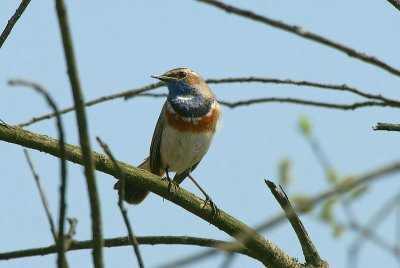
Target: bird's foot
[
  {"x": 214, "y": 209},
  {"x": 171, "y": 184}
]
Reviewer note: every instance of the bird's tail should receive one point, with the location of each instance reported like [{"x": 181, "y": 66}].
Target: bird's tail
[{"x": 133, "y": 194}]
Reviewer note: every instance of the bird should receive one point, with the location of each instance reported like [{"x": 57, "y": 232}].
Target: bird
[{"x": 183, "y": 134}]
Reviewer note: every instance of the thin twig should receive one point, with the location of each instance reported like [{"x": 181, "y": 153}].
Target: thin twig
[
  {"x": 369, "y": 230},
  {"x": 123, "y": 94},
  {"x": 309, "y": 251},
  {"x": 43, "y": 197},
  {"x": 69, "y": 237},
  {"x": 299, "y": 31},
  {"x": 125, "y": 241},
  {"x": 13, "y": 20},
  {"x": 134, "y": 92},
  {"x": 353, "y": 106},
  {"x": 62, "y": 262},
  {"x": 121, "y": 198},
  {"x": 387, "y": 127},
  {"x": 236, "y": 104},
  {"x": 83, "y": 134},
  {"x": 227, "y": 262},
  {"x": 339, "y": 87},
  {"x": 395, "y": 3},
  {"x": 319, "y": 153}
]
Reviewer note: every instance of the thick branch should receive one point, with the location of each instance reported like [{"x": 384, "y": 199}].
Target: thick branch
[
  {"x": 266, "y": 252},
  {"x": 395, "y": 3},
  {"x": 13, "y": 20},
  {"x": 304, "y": 34},
  {"x": 83, "y": 134},
  {"x": 387, "y": 127},
  {"x": 125, "y": 241}
]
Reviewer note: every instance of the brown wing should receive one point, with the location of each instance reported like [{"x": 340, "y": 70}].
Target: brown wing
[
  {"x": 155, "y": 156},
  {"x": 180, "y": 177}
]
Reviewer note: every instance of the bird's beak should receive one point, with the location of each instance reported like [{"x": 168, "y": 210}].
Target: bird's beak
[{"x": 163, "y": 78}]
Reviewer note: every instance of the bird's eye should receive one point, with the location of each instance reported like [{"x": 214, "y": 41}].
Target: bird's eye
[{"x": 182, "y": 74}]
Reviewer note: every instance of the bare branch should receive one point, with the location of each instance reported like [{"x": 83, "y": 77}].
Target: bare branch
[
  {"x": 42, "y": 196},
  {"x": 236, "y": 104},
  {"x": 294, "y": 29},
  {"x": 62, "y": 262},
  {"x": 121, "y": 198},
  {"x": 141, "y": 92},
  {"x": 13, "y": 20},
  {"x": 353, "y": 106},
  {"x": 310, "y": 252},
  {"x": 387, "y": 127},
  {"x": 265, "y": 251},
  {"x": 342, "y": 87},
  {"x": 125, "y": 241},
  {"x": 395, "y": 3},
  {"x": 83, "y": 134}
]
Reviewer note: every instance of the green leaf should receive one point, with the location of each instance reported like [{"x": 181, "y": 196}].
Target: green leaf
[
  {"x": 284, "y": 172},
  {"x": 302, "y": 203},
  {"x": 332, "y": 176},
  {"x": 326, "y": 212},
  {"x": 338, "y": 230},
  {"x": 305, "y": 125}
]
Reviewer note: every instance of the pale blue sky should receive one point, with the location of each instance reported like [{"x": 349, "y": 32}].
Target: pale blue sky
[{"x": 119, "y": 44}]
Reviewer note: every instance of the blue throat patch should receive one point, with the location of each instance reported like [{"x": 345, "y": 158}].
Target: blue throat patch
[{"x": 187, "y": 101}]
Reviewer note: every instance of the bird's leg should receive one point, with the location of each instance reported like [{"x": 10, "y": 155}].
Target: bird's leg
[
  {"x": 170, "y": 181},
  {"x": 214, "y": 208}
]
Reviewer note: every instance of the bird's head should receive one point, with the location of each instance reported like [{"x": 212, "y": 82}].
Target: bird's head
[{"x": 184, "y": 82}]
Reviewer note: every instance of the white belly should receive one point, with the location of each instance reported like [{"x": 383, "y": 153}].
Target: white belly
[{"x": 181, "y": 150}]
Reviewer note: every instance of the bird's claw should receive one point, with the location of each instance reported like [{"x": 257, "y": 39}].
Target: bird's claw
[
  {"x": 171, "y": 183},
  {"x": 214, "y": 208}
]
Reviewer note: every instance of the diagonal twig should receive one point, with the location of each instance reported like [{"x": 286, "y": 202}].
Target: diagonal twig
[
  {"x": 309, "y": 251},
  {"x": 83, "y": 134},
  {"x": 121, "y": 198},
  {"x": 43, "y": 197},
  {"x": 294, "y": 29},
  {"x": 123, "y": 94},
  {"x": 63, "y": 187},
  {"x": 13, "y": 20}
]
